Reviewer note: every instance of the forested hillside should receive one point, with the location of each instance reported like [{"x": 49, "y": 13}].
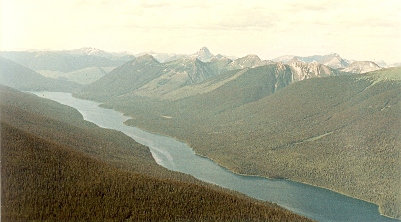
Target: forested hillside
[
  {"x": 339, "y": 132},
  {"x": 56, "y": 166}
]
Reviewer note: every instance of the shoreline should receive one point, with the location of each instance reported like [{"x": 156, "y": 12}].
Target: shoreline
[
  {"x": 255, "y": 175},
  {"x": 380, "y": 211}
]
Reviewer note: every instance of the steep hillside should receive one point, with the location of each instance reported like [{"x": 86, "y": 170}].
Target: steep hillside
[
  {"x": 145, "y": 76},
  {"x": 56, "y": 166},
  {"x": 303, "y": 70},
  {"x": 20, "y": 77},
  {"x": 181, "y": 73},
  {"x": 124, "y": 79},
  {"x": 190, "y": 76},
  {"x": 337, "y": 132},
  {"x": 224, "y": 92}
]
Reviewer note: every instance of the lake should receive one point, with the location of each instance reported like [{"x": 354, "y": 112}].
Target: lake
[{"x": 313, "y": 202}]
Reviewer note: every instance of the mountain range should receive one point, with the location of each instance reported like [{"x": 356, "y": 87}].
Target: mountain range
[
  {"x": 93, "y": 63},
  {"x": 277, "y": 119},
  {"x": 82, "y": 66},
  {"x": 321, "y": 120},
  {"x": 198, "y": 73},
  {"x": 339, "y": 131}
]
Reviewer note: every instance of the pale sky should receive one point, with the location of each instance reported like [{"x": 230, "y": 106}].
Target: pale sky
[{"x": 357, "y": 29}]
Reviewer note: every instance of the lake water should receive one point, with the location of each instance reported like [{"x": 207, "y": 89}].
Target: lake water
[{"x": 313, "y": 202}]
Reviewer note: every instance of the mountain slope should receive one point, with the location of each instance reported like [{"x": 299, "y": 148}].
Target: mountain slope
[
  {"x": 56, "y": 166},
  {"x": 145, "y": 76},
  {"x": 67, "y": 60},
  {"x": 189, "y": 76},
  {"x": 338, "y": 132},
  {"x": 124, "y": 79},
  {"x": 20, "y": 77},
  {"x": 303, "y": 70},
  {"x": 178, "y": 74}
]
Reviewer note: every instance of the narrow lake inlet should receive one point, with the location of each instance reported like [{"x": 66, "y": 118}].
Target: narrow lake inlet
[{"x": 313, "y": 202}]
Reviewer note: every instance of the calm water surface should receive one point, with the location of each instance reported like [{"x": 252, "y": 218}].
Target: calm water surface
[{"x": 310, "y": 201}]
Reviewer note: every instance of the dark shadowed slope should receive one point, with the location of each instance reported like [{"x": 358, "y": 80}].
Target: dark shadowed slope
[{"x": 56, "y": 166}]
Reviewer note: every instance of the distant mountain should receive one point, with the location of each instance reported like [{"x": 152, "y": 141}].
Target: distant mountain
[
  {"x": 284, "y": 59},
  {"x": 162, "y": 57},
  {"x": 189, "y": 76},
  {"x": 362, "y": 67},
  {"x": 182, "y": 73},
  {"x": 22, "y": 78},
  {"x": 146, "y": 76},
  {"x": 249, "y": 61},
  {"x": 302, "y": 70},
  {"x": 126, "y": 78},
  {"x": 204, "y": 55},
  {"x": 67, "y": 60},
  {"x": 82, "y": 76},
  {"x": 331, "y": 60},
  {"x": 88, "y": 51}
]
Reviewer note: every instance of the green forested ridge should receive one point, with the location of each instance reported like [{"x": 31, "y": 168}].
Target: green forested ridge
[
  {"x": 338, "y": 132},
  {"x": 56, "y": 166}
]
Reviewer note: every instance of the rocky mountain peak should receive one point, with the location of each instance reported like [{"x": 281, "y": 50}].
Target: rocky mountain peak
[
  {"x": 204, "y": 54},
  {"x": 362, "y": 67},
  {"x": 145, "y": 59}
]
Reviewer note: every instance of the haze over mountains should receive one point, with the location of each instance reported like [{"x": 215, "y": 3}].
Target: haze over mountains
[
  {"x": 322, "y": 119},
  {"x": 199, "y": 73},
  {"x": 86, "y": 65},
  {"x": 81, "y": 65},
  {"x": 276, "y": 120},
  {"x": 20, "y": 77}
]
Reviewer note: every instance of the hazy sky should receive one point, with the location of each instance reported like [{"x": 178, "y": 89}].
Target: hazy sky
[{"x": 357, "y": 29}]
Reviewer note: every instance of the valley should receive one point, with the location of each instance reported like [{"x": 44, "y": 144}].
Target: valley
[
  {"x": 318, "y": 120},
  {"x": 56, "y": 166},
  {"x": 229, "y": 110},
  {"x": 262, "y": 121},
  {"x": 313, "y": 202}
]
